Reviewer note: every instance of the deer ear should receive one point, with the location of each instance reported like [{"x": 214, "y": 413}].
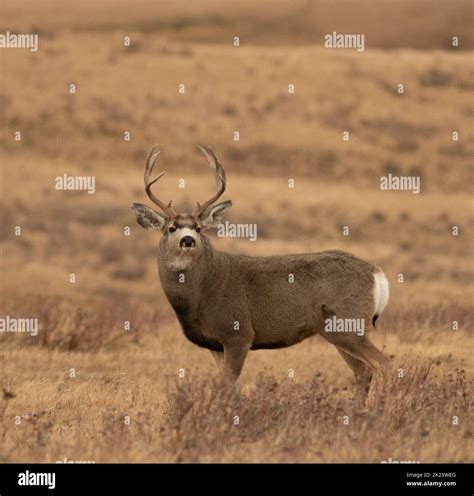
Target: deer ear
[
  {"x": 212, "y": 216},
  {"x": 147, "y": 217}
]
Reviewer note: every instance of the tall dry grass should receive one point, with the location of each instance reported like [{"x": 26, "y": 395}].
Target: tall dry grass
[{"x": 415, "y": 414}]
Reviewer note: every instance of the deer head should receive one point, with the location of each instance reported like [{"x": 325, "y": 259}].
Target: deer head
[{"x": 183, "y": 240}]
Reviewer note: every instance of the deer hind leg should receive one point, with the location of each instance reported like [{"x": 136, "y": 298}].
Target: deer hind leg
[
  {"x": 357, "y": 346},
  {"x": 363, "y": 376},
  {"x": 360, "y": 348},
  {"x": 364, "y": 358}
]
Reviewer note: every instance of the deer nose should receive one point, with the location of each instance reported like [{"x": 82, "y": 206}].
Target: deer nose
[{"x": 187, "y": 242}]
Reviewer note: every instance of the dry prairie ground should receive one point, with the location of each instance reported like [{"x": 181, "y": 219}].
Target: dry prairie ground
[
  {"x": 420, "y": 24},
  {"x": 423, "y": 416}
]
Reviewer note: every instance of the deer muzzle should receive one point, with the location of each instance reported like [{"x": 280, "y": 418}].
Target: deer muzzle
[{"x": 187, "y": 242}]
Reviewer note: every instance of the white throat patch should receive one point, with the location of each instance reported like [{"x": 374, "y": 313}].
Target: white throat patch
[{"x": 181, "y": 261}]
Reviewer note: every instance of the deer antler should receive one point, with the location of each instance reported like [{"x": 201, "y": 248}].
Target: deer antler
[
  {"x": 220, "y": 178},
  {"x": 150, "y": 163}
]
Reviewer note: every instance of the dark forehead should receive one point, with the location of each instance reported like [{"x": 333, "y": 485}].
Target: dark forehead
[{"x": 184, "y": 220}]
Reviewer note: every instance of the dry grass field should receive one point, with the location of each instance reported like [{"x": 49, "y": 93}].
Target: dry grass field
[{"x": 85, "y": 389}]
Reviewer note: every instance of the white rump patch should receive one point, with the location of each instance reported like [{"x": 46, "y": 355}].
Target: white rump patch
[{"x": 381, "y": 291}]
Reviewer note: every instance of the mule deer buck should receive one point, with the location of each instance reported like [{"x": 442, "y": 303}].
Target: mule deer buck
[{"x": 231, "y": 304}]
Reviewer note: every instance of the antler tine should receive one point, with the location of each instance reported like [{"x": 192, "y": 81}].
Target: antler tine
[
  {"x": 220, "y": 178},
  {"x": 150, "y": 163}
]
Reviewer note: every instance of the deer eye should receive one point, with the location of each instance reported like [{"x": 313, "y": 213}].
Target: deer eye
[
  {"x": 198, "y": 229},
  {"x": 172, "y": 229}
]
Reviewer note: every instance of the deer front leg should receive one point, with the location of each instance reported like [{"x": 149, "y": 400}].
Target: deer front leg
[
  {"x": 219, "y": 358},
  {"x": 234, "y": 358}
]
